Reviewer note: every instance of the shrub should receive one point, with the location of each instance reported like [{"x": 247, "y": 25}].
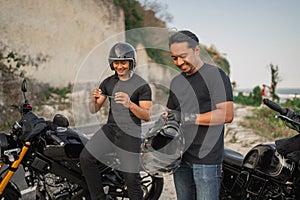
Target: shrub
[{"x": 253, "y": 99}]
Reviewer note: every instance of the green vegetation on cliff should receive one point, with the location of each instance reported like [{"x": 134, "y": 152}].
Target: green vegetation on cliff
[{"x": 138, "y": 16}]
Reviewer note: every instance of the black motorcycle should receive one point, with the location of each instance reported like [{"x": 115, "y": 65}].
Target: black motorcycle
[
  {"x": 269, "y": 170},
  {"x": 49, "y": 153}
]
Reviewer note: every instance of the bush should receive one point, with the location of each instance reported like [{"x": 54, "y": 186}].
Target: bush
[
  {"x": 253, "y": 99},
  {"x": 14, "y": 63},
  {"x": 265, "y": 124},
  {"x": 293, "y": 104}
]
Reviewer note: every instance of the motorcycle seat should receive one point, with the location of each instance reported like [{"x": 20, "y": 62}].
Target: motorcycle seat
[{"x": 233, "y": 157}]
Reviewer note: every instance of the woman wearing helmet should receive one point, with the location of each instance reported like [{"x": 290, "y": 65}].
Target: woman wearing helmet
[{"x": 130, "y": 102}]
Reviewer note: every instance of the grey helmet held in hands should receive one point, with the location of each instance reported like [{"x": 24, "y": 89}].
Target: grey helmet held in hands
[
  {"x": 122, "y": 51},
  {"x": 162, "y": 148}
]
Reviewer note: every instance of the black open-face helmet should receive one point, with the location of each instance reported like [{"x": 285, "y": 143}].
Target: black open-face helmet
[
  {"x": 122, "y": 51},
  {"x": 162, "y": 148}
]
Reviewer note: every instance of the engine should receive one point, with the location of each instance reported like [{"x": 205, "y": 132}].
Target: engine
[{"x": 57, "y": 187}]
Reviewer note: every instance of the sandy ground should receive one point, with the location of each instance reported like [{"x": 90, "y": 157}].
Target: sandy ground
[{"x": 169, "y": 192}]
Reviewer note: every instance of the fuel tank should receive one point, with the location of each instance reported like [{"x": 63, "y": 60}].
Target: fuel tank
[{"x": 265, "y": 159}]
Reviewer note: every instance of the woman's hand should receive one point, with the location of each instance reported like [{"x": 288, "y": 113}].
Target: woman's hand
[
  {"x": 122, "y": 98},
  {"x": 141, "y": 111},
  {"x": 96, "y": 93}
]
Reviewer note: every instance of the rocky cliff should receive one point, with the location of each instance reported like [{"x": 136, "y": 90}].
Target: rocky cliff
[
  {"x": 66, "y": 31},
  {"x": 76, "y": 37}
]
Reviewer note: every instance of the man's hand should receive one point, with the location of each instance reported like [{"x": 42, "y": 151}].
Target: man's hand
[
  {"x": 174, "y": 115},
  {"x": 184, "y": 118}
]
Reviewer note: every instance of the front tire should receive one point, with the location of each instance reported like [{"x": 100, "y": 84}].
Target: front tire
[
  {"x": 151, "y": 186},
  {"x": 9, "y": 194}
]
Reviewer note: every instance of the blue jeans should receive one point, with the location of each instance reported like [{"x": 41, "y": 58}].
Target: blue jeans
[{"x": 198, "y": 181}]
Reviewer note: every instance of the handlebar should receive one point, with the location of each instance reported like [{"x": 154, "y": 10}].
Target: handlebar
[
  {"x": 274, "y": 106},
  {"x": 287, "y": 115}
]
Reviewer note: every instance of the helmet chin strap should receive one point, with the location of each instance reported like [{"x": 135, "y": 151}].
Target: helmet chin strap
[{"x": 130, "y": 73}]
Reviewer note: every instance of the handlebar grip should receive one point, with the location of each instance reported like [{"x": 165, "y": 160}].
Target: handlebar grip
[{"x": 274, "y": 106}]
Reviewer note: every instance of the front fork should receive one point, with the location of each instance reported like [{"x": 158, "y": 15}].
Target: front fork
[{"x": 13, "y": 168}]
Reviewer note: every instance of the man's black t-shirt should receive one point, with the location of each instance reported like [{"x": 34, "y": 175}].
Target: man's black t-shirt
[{"x": 199, "y": 93}]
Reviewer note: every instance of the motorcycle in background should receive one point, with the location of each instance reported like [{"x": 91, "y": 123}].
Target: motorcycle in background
[
  {"x": 269, "y": 170},
  {"x": 49, "y": 153}
]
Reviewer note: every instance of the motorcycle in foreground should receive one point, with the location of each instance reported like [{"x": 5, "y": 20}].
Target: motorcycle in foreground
[
  {"x": 49, "y": 153},
  {"x": 268, "y": 171}
]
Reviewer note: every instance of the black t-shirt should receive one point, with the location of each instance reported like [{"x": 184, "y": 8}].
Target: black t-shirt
[
  {"x": 137, "y": 89},
  {"x": 199, "y": 93}
]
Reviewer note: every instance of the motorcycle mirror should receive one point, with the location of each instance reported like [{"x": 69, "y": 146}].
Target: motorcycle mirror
[
  {"x": 24, "y": 86},
  {"x": 24, "y": 90}
]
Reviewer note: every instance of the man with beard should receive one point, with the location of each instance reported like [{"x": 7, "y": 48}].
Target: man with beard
[{"x": 201, "y": 97}]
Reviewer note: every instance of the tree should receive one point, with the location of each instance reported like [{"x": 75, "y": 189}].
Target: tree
[{"x": 275, "y": 79}]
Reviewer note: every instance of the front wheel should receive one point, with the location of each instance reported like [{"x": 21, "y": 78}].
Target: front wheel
[
  {"x": 9, "y": 194},
  {"x": 151, "y": 186}
]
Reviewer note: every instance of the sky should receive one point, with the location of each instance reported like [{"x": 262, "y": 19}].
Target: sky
[{"x": 252, "y": 34}]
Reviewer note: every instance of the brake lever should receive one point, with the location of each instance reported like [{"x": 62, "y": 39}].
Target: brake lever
[{"x": 294, "y": 123}]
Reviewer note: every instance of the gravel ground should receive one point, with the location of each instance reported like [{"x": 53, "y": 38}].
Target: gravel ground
[{"x": 169, "y": 192}]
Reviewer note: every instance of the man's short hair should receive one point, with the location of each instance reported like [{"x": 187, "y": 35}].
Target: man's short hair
[{"x": 184, "y": 36}]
